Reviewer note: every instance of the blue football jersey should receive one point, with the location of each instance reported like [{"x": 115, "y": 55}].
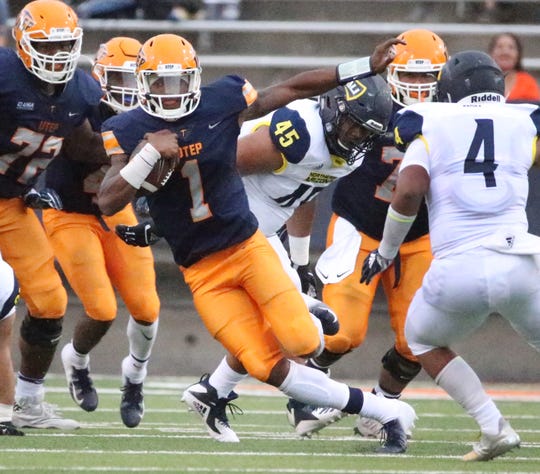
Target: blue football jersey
[
  {"x": 33, "y": 125},
  {"x": 203, "y": 207},
  {"x": 77, "y": 182},
  {"x": 363, "y": 196}
]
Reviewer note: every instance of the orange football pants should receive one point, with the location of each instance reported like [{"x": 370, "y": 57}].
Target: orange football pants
[
  {"x": 353, "y": 301},
  {"x": 251, "y": 306},
  {"x": 96, "y": 261},
  {"x": 25, "y": 247}
]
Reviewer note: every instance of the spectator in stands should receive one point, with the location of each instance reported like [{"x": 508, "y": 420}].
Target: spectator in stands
[
  {"x": 148, "y": 9},
  {"x": 4, "y": 15},
  {"x": 507, "y": 50},
  {"x": 222, "y": 9}
]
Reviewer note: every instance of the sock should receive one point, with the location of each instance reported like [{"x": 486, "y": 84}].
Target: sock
[
  {"x": 6, "y": 411},
  {"x": 460, "y": 381},
  {"x": 224, "y": 379},
  {"x": 312, "y": 387},
  {"x": 141, "y": 338},
  {"x": 77, "y": 360},
  {"x": 29, "y": 387},
  {"x": 381, "y": 392},
  {"x": 379, "y": 408}
]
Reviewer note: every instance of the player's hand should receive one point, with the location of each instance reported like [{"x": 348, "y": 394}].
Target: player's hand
[
  {"x": 140, "y": 235},
  {"x": 307, "y": 279},
  {"x": 165, "y": 142},
  {"x": 383, "y": 54},
  {"x": 47, "y": 198},
  {"x": 373, "y": 265}
]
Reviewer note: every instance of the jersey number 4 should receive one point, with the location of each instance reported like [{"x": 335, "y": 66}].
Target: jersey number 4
[{"x": 483, "y": 135}]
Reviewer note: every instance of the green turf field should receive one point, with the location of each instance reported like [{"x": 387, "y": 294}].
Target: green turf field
[{"x": 171, "y": 440}]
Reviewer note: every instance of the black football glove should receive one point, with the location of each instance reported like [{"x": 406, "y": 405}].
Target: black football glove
[
  {"x": 373, "y": 265},
  {"x": 307, "y": 279},
  {"x": 47, "y": 198},
  {"x": 140, "y": 235}
]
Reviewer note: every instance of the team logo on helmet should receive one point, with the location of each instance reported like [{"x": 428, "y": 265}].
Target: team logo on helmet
[
  {"x": 354, "y": 90},
  {"x": 141, "y": 59},
  {"x": 25, "y": 20},
  {"x": 102, "y": 52}
]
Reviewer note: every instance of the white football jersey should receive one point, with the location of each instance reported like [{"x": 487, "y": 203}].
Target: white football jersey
[
  {"x": 308, "y": 167},
  {"x": 477, "y": 156}
]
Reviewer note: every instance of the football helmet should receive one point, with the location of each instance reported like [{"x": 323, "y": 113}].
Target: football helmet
[
  {"x": 467, "y": 73},
  {"x": 114, "y": 68},
  {"x": 168, "y": 77},
  {"x": 48, "y": 40},
  {"x": 424, "y": 53},
  {"x": 363, "y": 105}
]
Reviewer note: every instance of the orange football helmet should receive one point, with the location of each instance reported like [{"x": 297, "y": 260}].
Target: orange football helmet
[
  {"x": 168, "y": 77},
  {"x": 48, "y": 40},
  {"x": 114, "y": 68},
  {"x": 425, "y": 53}
]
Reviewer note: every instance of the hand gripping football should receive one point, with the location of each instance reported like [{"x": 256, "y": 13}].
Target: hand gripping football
[{"x": 160, "y": 174}]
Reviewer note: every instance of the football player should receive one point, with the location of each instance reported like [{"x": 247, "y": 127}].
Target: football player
[
  {"x": 45, "y": 102},
  {"x": 240, "y": 289},
  {"x": 93, "y": 258},
  {"x": 359, "y": 203},
  {"x": 9, "y": 294},
  {"x": 470, "y": 160}
]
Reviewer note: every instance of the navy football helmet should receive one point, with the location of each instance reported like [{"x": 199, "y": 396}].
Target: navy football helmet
[
  {"x": 468, "y": 73},
  {"x": 352, "y": 114}
]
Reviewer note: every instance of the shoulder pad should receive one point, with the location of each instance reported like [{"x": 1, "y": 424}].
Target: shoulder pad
[
  {"x": 289, "y": 134},
  {"x": 535, "y": 117},
  {"x": 407, "y": 127}
]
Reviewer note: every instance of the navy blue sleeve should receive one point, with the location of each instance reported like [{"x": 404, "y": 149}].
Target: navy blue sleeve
[
  {"x": 289, "y": 133},
  {"x": 407, "y": 127}
]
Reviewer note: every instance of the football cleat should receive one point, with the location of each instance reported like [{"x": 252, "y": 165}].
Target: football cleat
[
  {"x": 80, "y": 384},
  {"x": 393, "y": 432},
  {"x": 370, "y": 428},
  {"x": 308, "y": 419},
  {"x": 203, "y": 399},
  {"x": 33, "y": 412},
  {"x": 132, "y": 403},
  {"x": 491, "y": 446},
  {"x": 7, "y": 429}
]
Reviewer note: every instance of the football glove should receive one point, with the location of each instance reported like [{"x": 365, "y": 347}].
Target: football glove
[
  {"x": 140, "y": 235},
  {"x": 373, "y": 265},
  {"x": 307, "y": 279},
  {"x": 47, "y": 198}
]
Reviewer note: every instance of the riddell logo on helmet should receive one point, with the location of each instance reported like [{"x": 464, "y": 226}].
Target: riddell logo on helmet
[{"x": 488, "y": 97}]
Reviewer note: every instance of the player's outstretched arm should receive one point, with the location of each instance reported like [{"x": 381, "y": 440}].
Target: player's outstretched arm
[{"x": 315, "y": 82}]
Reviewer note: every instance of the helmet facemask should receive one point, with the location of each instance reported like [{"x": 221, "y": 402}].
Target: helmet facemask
[
  {"x": 408, "y": 93},
  {"x": 57, "y": 68},
  {"x": 170, "y": 92},
  {"x": 119, "y": 84}
]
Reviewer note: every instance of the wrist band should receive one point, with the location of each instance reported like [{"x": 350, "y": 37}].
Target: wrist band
[
  {"x": 299, "y": 249},
  {"x": 140, "y": 166},
  {"x": 396, "y": 228},
  {"x": 355, "y": 69}
]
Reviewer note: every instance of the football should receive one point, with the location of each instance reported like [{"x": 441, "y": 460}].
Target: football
[{"x": 160, "y": 174}]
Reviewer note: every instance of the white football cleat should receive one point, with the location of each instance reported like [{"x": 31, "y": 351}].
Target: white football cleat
[
  {"x": 308, "y": 419},
  {"x": 33, "y": 412},
  {"x": 491, "y": 446}
]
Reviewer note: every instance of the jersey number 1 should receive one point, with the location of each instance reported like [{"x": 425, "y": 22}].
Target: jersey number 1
[{"x": 483, "y": 134}]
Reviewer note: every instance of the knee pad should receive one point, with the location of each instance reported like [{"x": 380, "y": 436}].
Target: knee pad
[
  {"x": 41, "y": 332},
  {"x": 400, "y": 368}
]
